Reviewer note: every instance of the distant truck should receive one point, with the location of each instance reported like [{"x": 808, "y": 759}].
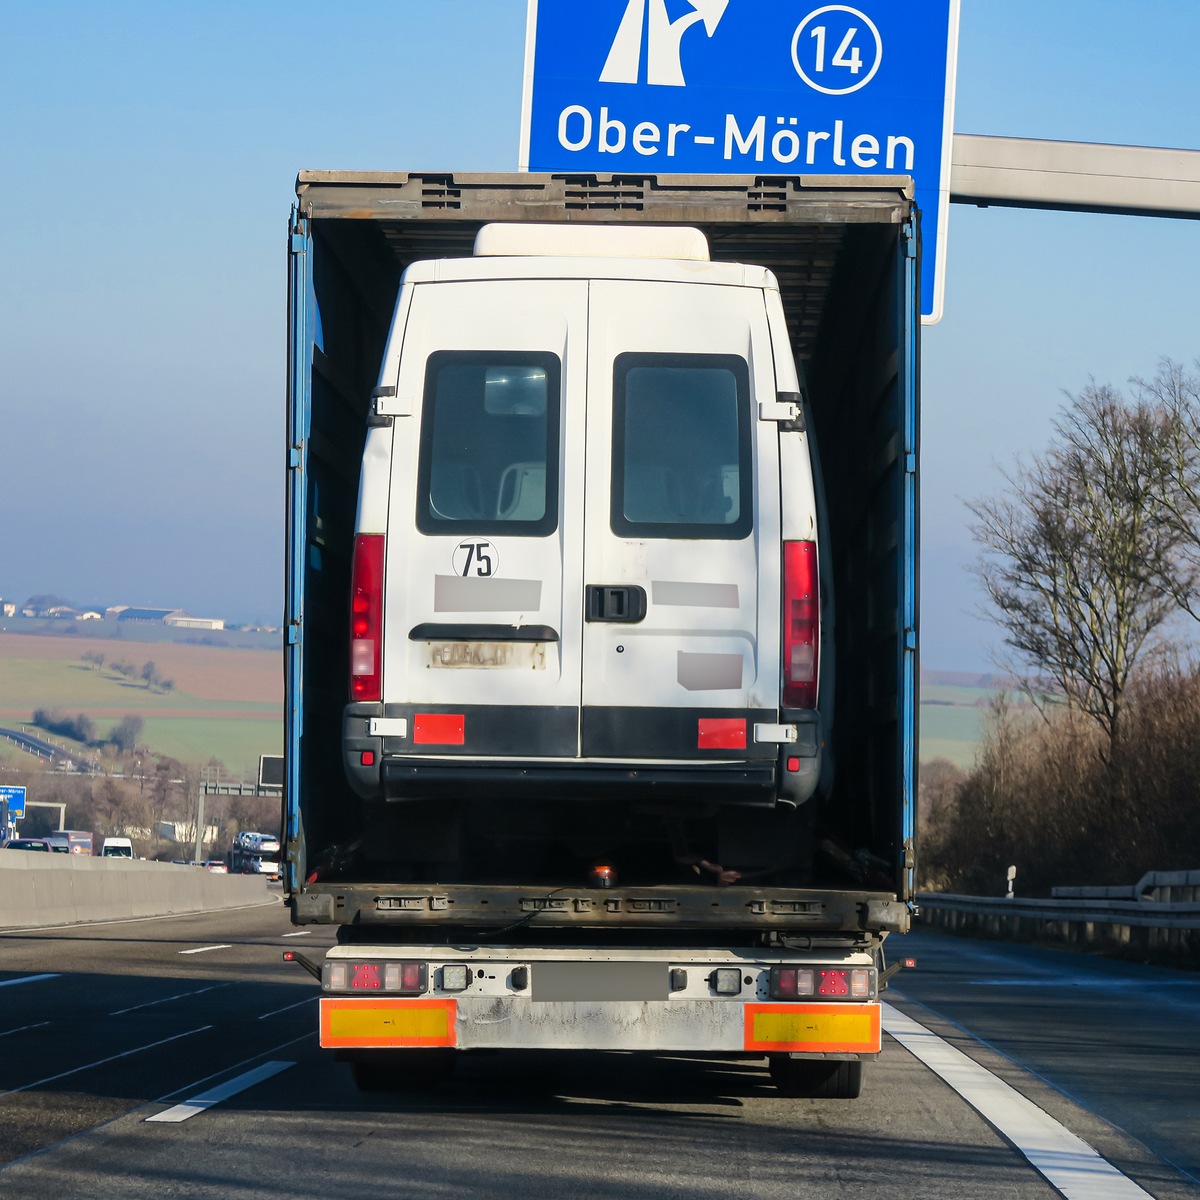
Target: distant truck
[
  {"x": 601, "y": 614},
  {"x": 255, "y": 854},
  {"x": 76, "y": 841}
]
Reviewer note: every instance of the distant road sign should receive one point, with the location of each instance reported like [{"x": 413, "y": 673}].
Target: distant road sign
[
  {"x": 16, "y": 802},
  {"x": 742, "y": 87}
]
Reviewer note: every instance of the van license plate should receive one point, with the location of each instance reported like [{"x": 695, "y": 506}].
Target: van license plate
[{"x": 528, "y": 656}]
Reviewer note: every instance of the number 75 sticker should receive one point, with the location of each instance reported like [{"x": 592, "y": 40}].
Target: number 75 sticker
[{"x": 475, "y": 558}]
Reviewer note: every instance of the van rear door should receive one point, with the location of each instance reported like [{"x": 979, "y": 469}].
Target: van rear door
[
  {"x": 681, "y": 532},
  {"x": 484, "y": 548}
]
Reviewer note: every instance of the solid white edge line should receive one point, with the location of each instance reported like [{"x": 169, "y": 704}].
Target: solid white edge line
[
  {"x": 1070, "y": 1165},
  {"x": 28, "y": 979},
  {"x": 198, "y": 1104}
]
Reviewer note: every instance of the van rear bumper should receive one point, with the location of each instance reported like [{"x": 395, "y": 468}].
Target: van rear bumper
[{"x": 406, "y": 778}]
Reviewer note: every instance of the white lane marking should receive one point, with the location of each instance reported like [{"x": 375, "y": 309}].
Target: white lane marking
[
  {"x": 197, "y": 1104},
  {"x": 1070, "y": 1165},
  {"x": 27, "y": 979},
  {"x": 23, "y": 1028},
  {"x": 276, "y": 1012},
  {"x": 299, "y": 933},
  {"x": 101, "y": 1061},
  {"x": 168, "y": 999},
  {"x": 206, "y": 949}
]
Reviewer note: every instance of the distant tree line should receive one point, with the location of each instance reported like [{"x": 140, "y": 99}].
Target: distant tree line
[
  {"x": 148, "y": 672},
  {"x": 1090, "y": 560},
  {"x": 81, "y": 728}
]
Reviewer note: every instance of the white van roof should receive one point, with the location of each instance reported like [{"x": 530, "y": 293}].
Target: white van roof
[{"x": 591, "y": 241}]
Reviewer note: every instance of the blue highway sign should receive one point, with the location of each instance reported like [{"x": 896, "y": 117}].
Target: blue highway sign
[
  {"x": 16, "y": 801},
  {"x": 744, "y": 87}
]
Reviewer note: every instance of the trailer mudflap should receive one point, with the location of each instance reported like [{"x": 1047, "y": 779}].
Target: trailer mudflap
[{"x": 813, "y": 1028}]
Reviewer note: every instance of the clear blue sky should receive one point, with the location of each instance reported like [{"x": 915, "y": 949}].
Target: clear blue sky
[{"x": 149, "y": 155}]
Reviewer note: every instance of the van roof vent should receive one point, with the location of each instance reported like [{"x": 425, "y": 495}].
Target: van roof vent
[{"x": 591, "y": 241}]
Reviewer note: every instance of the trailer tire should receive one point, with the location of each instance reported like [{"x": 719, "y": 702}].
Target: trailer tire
[
  {"x": 816, "y": 1079},
  {"x": 402, "y": 1070}
]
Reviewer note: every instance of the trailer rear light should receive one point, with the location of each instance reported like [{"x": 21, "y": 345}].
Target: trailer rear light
[
  {"x": 400, "y": 978},
  {"x": 834, "y": 983},
  {"x": 366, "y": 617},
  {"x": 792, "y": 983},
  {"x": 801, "y": 624},
  {"x": 860, "y": 984},
  {"x": 726, "y": 981},
  {"x": 455, "y": 977},
  {"x": 365, "y": 977}
]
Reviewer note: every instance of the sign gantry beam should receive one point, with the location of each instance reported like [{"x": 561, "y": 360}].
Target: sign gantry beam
[{"x": 1074, "y": 176}]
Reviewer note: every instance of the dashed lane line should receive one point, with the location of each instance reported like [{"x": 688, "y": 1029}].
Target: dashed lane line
[
  {"x": 28, "y": 979},
  {"x": 288, "y": 1008},
  {"x": 24, "y": 1028},
  {"x": 101, "y": 1061},
  {"x": 1069, "y": 1164},
  {"x": 167, "y": 999},
  {"x": 206, "y": 949},
  {"x": 198, "y": 1104}
]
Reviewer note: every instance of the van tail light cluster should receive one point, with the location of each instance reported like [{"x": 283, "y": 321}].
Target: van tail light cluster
[
  {"x": 801, "y": 624},
  {"x": 366, "y": 618},
  {"x": 823, "y": 983}
]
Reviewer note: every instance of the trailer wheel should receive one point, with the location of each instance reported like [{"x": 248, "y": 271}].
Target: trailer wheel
[
  {"x": 817, "y": 1079},
  {"x": 401, "y": 1070}
]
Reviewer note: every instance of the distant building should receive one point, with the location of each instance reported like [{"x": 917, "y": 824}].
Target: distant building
[
  {"x": 183, "y": 620},
  {"x": 176, "y": 618},
  {"x": 125, "y": 612}
]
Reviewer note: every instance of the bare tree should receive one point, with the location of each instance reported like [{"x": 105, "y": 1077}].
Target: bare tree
[
  {"x": 124, "y": 735},
  {"x": 1084, "y": 558},
  {"x": 1176, "y": 391}
]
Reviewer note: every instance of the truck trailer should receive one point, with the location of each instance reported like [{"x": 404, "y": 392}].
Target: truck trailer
[{"x": 601, "y": 618}]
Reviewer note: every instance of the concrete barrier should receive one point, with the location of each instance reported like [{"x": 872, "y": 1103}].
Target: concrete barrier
[{"x": 41, "y": 890}]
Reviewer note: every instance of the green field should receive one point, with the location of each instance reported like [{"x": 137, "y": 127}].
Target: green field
[
  {"x": 952, "y": 726},
  {"x": 177, "y": 723},
  {"x": 27, "y": 684},
  {"x": 237, "y": 743}
]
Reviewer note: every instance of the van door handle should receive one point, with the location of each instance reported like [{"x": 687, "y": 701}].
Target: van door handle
[{"x": 625, "y": 603}]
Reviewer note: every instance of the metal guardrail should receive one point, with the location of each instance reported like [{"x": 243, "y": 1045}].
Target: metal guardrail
[{"x": 1160, "y": 912}]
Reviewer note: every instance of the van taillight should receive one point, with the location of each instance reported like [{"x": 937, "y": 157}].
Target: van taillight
[
  {"x": 801, "y": 624},
  {"x": 366, "y": 617}
]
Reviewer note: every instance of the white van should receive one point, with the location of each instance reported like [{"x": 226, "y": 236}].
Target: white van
[
  {"x": 116, "y": 847},
  {"x": 586, "y": 558}
]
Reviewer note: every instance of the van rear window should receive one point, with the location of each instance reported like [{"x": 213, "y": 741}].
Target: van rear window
[
  {"x": 681, "y": 446},
  {"x": 489, "y": 443}
]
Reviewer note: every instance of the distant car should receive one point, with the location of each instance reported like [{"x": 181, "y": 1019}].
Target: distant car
[
  {"x": 216, "y": 866},
  {"x": 41, "y": 844}
]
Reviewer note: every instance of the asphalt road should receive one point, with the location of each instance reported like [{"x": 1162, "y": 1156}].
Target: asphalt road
[{"x": 178, "y": 1058}]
